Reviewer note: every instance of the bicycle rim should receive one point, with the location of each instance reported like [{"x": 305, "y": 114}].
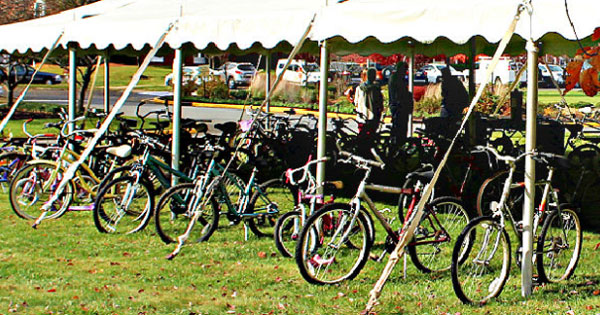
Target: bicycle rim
[
  {"x": 480, "y": 261},
  {"x": 175, "y": 210},
  {"x": 30, "y": 189},
  {"x": 123, "y": 206},
  {"x": 559, "y": 246},
  {"x": 434, "y": 239},
  {"x": 287, "y": 232},
  {"x": 333, "y": 246}
]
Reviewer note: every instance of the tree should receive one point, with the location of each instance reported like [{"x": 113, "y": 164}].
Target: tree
[{"x": 11, "y": 77}]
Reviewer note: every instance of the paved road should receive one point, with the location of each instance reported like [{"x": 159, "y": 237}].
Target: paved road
[{"x": 58, "y": 96}]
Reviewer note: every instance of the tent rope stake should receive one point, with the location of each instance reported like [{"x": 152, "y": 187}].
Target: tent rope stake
[
  {"x": 103, "y": 128},
  {"x": 407, "y": 231}
]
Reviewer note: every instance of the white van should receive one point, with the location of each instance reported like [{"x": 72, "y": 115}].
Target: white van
[
  {"x": 505, "y": 72},
  {"x": 299, "y": 71}
]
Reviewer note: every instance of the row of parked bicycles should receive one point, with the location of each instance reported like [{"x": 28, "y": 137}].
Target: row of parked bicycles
[{"x": 259, "y": 173}]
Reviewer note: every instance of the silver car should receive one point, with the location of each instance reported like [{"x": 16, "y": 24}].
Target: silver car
[{"x": 235, "y": 74}]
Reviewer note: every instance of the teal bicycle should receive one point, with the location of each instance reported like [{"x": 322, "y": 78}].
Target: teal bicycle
[
  {"x": 125, "y": 204},
  {"x": 192, "y": 210}
]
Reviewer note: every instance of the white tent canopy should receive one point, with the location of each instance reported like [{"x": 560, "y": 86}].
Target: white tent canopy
[
  {"x": 214, "y": 26},
  {"x": 441, "y": 26}
]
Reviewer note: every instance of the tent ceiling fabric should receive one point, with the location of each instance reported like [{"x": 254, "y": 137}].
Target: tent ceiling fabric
[
  {"x": 442, "y": 26},
  {"x": 387, "y": 27}
]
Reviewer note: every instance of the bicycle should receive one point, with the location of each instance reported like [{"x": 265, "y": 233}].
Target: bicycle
[
  {"x": 288, "y": 226},
  {"x": 257, "y": 205},
  {"x": 482, "y": 253},
  {"x": 336, "y": 240},
  {"x": 36, "y": 181},
  {"x": 126, "y": 203}
]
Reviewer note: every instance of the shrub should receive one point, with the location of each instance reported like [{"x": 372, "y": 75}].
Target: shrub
[
  {"x": 431, "y": 102},
  {"x": 213, "y": 88}
]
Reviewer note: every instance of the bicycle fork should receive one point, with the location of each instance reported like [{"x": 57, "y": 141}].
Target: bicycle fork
[{"x": 198, "y": 204}]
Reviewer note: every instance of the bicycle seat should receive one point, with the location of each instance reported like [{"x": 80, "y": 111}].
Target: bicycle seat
[
  {"x": 128, "y": 122},
  {"x": 121, "y": 151},
  {"x": 227, "y": 128},
  {"x": 425, "y": 176},
  {"x": 333, "y": 185},
  {"x": 553, "y": 160},
  {"x": 160, "y": 124}
]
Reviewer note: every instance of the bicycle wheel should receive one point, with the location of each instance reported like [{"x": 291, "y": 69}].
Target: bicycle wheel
[
  {"x": 10, "y": 163},
  {"x": 431, "y": 247},
  {"x": 333, "y": 246},
  {"x": 480, "y": 261},
  {"x": 584, "y": 157},
  {"x": 491, "y": 191},
  {"x": 559, "y": 246},
  {"x": 114, "y": 173},
  {"x": 274, "y": 198},
  {"x": 174, "y": 211},
  {"x": 123, "y": 206},
  {"x": 287, "y": 231},
  {"x": 33, "y": 185}
]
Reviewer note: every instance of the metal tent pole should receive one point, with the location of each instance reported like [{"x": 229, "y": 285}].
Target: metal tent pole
[
  {"x": 268, "y": 79},
  {"x": 322, "y": 114},
  {"x": 107, "y": 82},
  {"x": 411, "y": 86},
  {"x": 72, "y": 86},
  {"x": 177, "y": 81},
  {"x": 528, "y": 204}
]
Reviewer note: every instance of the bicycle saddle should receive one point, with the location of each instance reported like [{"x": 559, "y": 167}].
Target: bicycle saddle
[
  {"x": 226, "y": 128},
  {"x": 554, "y": 160},
  {"x": 425, "y": 176},
  {"x": 121, "y": 151}
]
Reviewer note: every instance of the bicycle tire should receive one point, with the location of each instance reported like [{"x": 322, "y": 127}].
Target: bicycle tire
[
  {"x": 584, "y": 156},
  {"x": 287, "y": 231},
  {"x": 109, "y": 211},
  {"x": 351, "y": 254},
  {"x": 273, "y": 193},
  {"x": 491, "y": 190},
  {"x": 27, "y": 197},
  {"x": 172, "y": 215},
  {"x": 10, "y": 163},
  {"x": 112, "y": 174},
  {"x": 470, "y": 283},
  {"x": 553, "y": 263},
  {"x": 444, "y": 219}
]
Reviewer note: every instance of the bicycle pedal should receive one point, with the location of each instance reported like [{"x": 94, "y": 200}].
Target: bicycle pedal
[{"x": 374, "y": 257}]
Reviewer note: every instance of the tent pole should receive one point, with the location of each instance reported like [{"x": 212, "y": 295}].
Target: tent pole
[
  {"x": 268, "y": 79},
  {"x": 528, "y": 204},
  {"x": 72, "y": 86},
  {"x": 411, "y": 86},
  {"x": 73, "y": 167},
  {"x": 322, "y": 115},
  {"x": 107, "y": 82},
  {"x": 177, "y": 82}
]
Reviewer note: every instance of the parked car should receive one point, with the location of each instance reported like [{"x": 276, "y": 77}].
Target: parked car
[
  {"x": 190, "y": 73},
  {"x": 505, "y": 72},
  {"x": 544, "y": 76},
  {"x": 299, "y": 71},
  {"x": 24, "y": 73},
  {"x": 432, "y": 73},
  {"x": 235, "y": 74}
]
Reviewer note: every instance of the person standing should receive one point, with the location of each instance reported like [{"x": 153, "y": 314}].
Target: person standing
[
  {"x": 401, "y": 102},
  {"x": 454, "y": 96},
  {"x": 369, "y": 104}
]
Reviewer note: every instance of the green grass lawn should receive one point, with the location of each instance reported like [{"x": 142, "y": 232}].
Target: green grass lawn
[
  {"x": 67, "y": 267},
  {"x": 120, "y": 75}
]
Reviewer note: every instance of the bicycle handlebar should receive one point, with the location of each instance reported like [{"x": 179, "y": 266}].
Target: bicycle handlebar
[
  {"x": 305, "y": 169},
  {"x": 506, "y": 158}
]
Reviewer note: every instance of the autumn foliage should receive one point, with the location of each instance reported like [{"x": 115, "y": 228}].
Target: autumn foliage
[{"x": 585, "y": 69}]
